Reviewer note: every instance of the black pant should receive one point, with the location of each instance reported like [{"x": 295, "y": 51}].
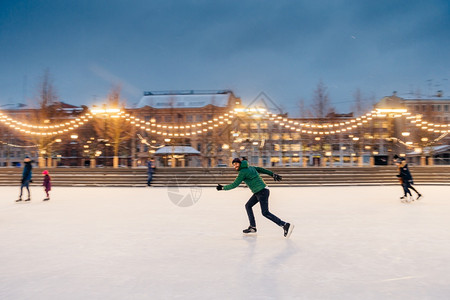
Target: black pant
[
  {"x": 263, "y": 198},
  {"x": 407, "y": 186},
  {"x": 25, "y": 183},
  {"x": 149, "y": 178}
]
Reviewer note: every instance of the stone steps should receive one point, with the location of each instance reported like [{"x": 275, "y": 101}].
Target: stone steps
[{"x": 124, "y": 177}]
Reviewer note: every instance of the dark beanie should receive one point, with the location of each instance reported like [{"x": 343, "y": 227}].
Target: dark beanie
[{"x": 236, "y": 160}]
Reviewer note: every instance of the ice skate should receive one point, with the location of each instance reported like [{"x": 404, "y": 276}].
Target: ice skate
[
  {"x": 28, "y": 199},
  {"x": 46, "y": 199},
  {"x": 18, "y": 200},
  {"x": 419, "y": 196},
  {"x": 403, "y": 199},
  {"x": 288, "y": 228},
  {"x": 250, "y": 230}
]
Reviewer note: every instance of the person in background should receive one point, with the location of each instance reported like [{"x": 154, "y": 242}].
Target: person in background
[
  {"x": 47, "y": 184},
  {"x": 406, "y": 179},
  {"x": 27, "y": 175},
  {"x": 150, "y": 170}
]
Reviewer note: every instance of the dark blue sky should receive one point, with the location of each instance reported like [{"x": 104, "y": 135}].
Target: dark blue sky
[{"x": 283, "y": 48}]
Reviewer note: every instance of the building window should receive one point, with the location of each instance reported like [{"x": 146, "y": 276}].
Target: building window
[
  {"x": 295, "y": 147},
  {"x": 189, "y": 118},
  {"x": 168, "y": 118},
  {"x": 199, "y": 118}
]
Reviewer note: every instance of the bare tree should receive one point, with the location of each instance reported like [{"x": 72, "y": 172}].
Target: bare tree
[
  {"x": 358, "y": 106},
  {"x": 114, "y": 131},
  {"x": 302, "y": 109},
  {"x": 321, "y": 102},
  {"x": 48, "y": 112}
]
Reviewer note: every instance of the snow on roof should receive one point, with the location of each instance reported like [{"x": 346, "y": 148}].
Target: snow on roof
[
  {"x": 191, "y": 99},
  {"x": 176, "y": 150},
  {"x": 433, "y": 149}
]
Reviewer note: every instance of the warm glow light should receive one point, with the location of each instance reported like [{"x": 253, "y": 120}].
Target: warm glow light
[{"x": 391, "y": 110}]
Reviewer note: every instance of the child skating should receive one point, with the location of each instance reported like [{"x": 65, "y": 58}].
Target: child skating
[
  {"x": 250, "y": 175},
  {"x": 47, "y": 184}
]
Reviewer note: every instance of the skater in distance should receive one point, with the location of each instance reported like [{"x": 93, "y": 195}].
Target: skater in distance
[
  {"x": 47, "y": 184},
  {"x": 27, "y": 175},
  {"x": 406, "y": 180},
  {"x": 250, "y": 175}
]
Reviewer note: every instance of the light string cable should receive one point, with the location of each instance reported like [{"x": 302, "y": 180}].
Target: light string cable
[
  {"x": 428, "y": 126},
  {"x": 18, "y": 146},
  {"x": 45, "y": 130},
  {"x": 201, "y": 127},
  {"x": 179, "y": 130},
  {"x": 323, "y": 128}
]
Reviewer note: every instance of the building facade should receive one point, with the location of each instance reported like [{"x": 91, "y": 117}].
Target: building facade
[{"x": 210, "y": 128}]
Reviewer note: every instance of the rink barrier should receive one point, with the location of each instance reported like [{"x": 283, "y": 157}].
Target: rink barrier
[{"x": 164, "y": 177}]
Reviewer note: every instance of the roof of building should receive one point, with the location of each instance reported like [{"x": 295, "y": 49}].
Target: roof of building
[
  {"x": 177, "y": 150},
  {"x": 431, "y": 150},
  {"x": 185, "y": 99},
  {"x": 63, "y": 105}
]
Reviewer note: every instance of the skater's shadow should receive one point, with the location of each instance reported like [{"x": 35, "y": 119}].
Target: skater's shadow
[
  {"x": 261, "y": 268},
  {"x": 251, "y": 243}
]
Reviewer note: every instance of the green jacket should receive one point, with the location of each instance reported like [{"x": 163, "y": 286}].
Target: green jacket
[{"x": 250, "y": 175}]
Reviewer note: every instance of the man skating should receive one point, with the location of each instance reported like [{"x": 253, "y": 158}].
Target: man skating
[{"x": 250, "y": 175}]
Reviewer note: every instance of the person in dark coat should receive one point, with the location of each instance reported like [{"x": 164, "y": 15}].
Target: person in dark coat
[
  {"x": 150, "y": 171},
  {"x": 406, "y": 180},
  {"x": 47, "y": 184},
  {"x": 27, "y": 175}
]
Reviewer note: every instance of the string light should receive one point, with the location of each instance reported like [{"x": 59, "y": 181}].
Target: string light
[
  {"x": 202, "y": 127},
  {"x": 18, "y": 146}
]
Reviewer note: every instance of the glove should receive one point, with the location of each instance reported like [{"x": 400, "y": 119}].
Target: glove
[
  {"x": 277, "y": 177},
  {"x": 219, "y": 187}
]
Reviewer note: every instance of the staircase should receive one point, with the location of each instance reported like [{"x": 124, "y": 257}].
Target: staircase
[{"x": 137, "y": 177}]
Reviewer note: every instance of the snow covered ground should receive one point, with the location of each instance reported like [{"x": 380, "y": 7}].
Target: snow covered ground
[{"x": 159, "y": 243}]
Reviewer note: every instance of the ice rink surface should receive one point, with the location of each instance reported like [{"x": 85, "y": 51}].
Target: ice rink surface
[{"x": 148, "y": 243}]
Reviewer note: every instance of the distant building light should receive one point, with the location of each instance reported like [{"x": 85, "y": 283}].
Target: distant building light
[{"x": 391, "y": 110}]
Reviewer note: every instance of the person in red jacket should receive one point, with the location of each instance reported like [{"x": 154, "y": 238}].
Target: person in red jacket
[{"x": 47, "y": 184}]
